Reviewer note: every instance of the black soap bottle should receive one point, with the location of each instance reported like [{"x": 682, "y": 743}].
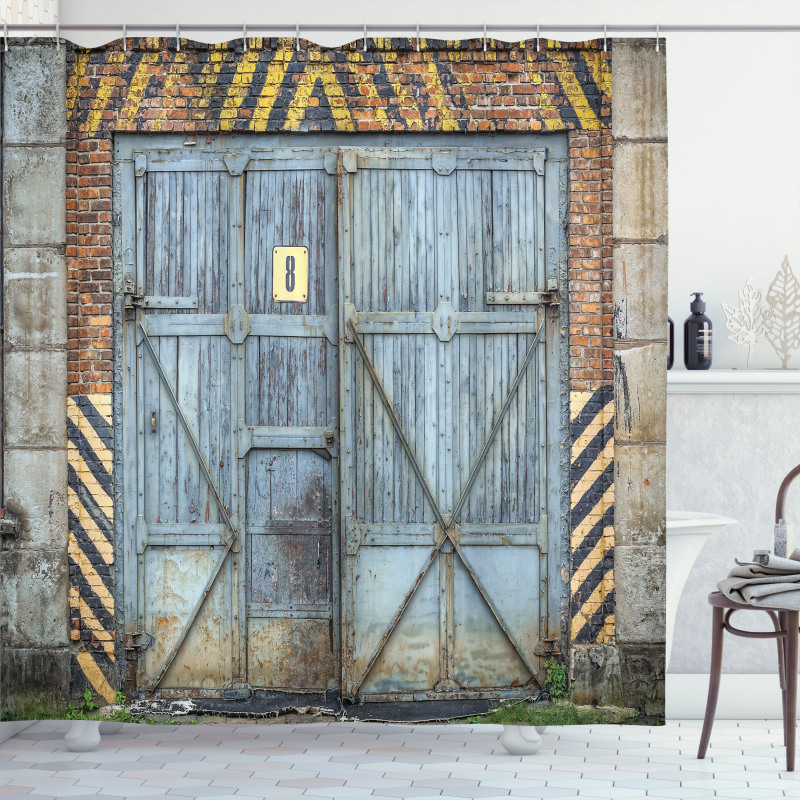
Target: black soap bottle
[
  {"x": 671, "y": 355},
  {"x": 697, "y": 336}
]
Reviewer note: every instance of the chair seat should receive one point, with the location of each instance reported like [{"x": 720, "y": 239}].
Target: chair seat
[{"x": 720, "y": 600}]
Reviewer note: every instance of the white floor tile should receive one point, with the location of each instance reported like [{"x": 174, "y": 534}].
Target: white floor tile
[{"x": 746, "y": 761}]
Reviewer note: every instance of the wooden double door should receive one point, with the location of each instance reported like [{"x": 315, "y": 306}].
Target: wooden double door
[{"x": 357, "y": 488}]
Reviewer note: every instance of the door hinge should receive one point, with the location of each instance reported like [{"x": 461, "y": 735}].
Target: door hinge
[
  {"x": 139, "y": 640},
  {"x": 131, "y": 299},
  {"x": 548, "y": 647},
  {"x": 550, "y": 297}
]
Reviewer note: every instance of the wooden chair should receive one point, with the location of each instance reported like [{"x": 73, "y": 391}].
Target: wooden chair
[
  {"x": 785, "y": 623},
  {"x": 786, "y": 634}
]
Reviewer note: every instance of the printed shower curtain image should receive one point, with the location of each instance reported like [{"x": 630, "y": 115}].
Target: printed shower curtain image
[{"x": 347, "y": 417}]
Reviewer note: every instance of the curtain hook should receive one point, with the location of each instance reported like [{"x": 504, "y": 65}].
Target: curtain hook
[
  {"x": 177, "y": 38},
  {"x": 297, "y": 37},
  {"x": 484, "y": 37},
  {"x": 605, "y": 38},
  {"x": 418, "y": 37},
  {"x": 658, "y": 48},
  {"x": 537, "y": 37},
  {"x": 124, "y": 39},
  {"x": 5, "y": 35},
  {"x": 365, "y": 37},
  {"x": 58, "y": 37},
  {"x": 244, "y": 36}
]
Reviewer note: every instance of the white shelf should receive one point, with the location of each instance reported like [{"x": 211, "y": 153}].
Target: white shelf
[{"x": 734, "y": 381}]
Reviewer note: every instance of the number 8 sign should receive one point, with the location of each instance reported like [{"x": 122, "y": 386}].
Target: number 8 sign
[{"x": 290, "y": 274}]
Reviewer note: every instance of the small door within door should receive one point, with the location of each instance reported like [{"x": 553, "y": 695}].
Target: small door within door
[{"x": 447, "y": 368}]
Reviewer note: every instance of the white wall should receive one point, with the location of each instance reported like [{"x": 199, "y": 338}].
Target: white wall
[
  {"x": 727, "y": 454},
  {"x": 734, "y": 174}
]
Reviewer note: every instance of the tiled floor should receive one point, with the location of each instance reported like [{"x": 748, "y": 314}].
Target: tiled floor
[{"x": 350, "y": 760}]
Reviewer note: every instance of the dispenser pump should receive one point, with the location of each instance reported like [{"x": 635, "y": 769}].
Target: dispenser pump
[{"x": 697, "y": 306}]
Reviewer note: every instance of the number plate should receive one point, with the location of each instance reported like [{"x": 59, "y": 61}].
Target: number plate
[{"x": 290, "y": 274}]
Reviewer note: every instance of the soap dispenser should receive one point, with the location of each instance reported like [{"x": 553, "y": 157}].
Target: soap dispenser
[{"x": 697, "y": 336}]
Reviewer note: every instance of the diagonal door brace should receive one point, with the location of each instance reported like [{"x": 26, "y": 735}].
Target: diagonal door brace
[
  {"x": 212, "y": 485},
  {"x": 496, "y": 424}
]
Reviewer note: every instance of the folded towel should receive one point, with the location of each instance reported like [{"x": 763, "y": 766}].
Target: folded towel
[{"x": 775, "y": 583}]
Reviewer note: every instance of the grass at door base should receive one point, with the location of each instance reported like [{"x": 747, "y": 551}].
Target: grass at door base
[{"x": 559, "y": 713}]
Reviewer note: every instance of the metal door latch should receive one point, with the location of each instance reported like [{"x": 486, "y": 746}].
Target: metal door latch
[{"x": 548, "y": 297}]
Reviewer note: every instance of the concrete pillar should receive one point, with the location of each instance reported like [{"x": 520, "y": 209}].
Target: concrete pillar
[
  {"x": 640, "y": 366},
  {"x": 34, "y": 572}
]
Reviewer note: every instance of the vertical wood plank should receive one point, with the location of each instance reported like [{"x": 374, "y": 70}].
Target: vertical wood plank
[{"x": 347, "y": 420}]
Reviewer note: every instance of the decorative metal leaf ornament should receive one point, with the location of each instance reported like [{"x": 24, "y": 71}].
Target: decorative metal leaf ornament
[
  {"x": 782, "y": 326},
  {"x": 747, "y": 323}
]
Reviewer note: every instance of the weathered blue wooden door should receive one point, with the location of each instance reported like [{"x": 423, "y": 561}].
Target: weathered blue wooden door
[
  {"x": 230, "y": 420},
  {"x": 410, "y": 397},
  {"x": 449, "y": 417}
]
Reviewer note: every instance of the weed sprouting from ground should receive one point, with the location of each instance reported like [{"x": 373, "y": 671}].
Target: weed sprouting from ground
[{"x": 556, "y": 681}]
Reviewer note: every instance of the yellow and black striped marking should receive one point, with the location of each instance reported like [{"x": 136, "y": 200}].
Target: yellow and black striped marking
[
  {"x": 592, "y": 515},
  {"x": 273, "y": 86},
  {"x": 91, "y": 551}
]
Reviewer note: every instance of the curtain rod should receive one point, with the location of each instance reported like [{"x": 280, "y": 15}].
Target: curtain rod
[{"x": 412, "y": 31}]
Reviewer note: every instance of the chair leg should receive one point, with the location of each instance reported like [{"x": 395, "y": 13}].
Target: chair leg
[
  {"x": 790, "y": 717},
  {"x": 781, "y": 642},
  {"x": 717, "y": 632}
]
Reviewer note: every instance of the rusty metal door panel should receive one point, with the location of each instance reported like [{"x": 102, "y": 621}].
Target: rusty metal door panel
[
  {"x": 175, "y": 579},
  {"x": 409, "y": 662},
  {"x": 483, "y": 655},
  {"x": 308, "y": 654},
  {"x": 444, "y": 388}
]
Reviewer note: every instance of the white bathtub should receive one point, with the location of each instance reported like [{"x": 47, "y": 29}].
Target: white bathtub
[{"x": 687, "y": 532}]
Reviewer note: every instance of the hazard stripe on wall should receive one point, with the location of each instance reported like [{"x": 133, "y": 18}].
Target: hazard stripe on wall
[
  {"x": 274, "y": 86},
  {"x": 90, "y": 543},
  {"x": 592, "y": 515}
]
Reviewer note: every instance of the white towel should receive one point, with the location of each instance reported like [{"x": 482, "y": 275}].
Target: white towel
[{"x": 775, "y": 583}]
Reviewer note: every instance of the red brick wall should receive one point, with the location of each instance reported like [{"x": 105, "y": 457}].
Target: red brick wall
[
  {"x": 590, "y": 260},
  {"x": 89, "y": 265},
  {"x": 459, "y": 87}
]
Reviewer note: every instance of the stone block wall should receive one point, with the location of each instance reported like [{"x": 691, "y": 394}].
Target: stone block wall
[
  {"x": 35, "y": 579},
  {"x": 640, "y": 358}
]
